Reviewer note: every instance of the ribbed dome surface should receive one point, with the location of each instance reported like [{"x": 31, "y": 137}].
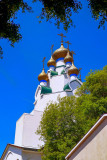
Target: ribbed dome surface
[
  {"x": 43, "y": 76},
  {"x": 59, "y": 53},
  {"x": 68, "y": 58},
  {"x": 51, "y": 62},
  {"x": 73, "y": 70}
]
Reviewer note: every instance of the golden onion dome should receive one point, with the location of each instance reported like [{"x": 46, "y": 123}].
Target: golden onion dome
[
  {"x": 60, "y": 53},
  {"x": 51, "y": 62},
  {"x": 73, "y": 70},
  {"x": 43, "y": 76},
  {"x": 68, "y": 57}
]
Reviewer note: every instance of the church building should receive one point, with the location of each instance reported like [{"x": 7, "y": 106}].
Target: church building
[{"x": 60, "y": 80}]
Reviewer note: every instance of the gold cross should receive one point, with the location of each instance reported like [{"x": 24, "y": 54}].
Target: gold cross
[
  {"x": 62, "y": 35},
  {"x": 68, "y": 43},
  {"x": 43, "y": 61},
  {"x": 52, "y": 49},
  {"x": 80, "y": 69},
  {"x": 72, "y": 52}
]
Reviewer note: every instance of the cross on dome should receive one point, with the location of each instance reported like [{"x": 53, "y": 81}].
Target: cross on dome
[
  {"x": 68, "y": 43},
  {"x": 80, "y": 69},
  {"x": 43, "y": 61},
  {"x": 72, "y": 52},
  {"x": 62, "y": 35},
  {"x": 52, "y": 49}
]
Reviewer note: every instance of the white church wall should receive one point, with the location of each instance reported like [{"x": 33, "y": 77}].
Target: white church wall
[
  {"x": 49, "y": 98},
  {"x": 27, "y": 137},
  {"x": 31, "y": 155},
  {"x": 19, "y": 131},
  {"x": 59, "y": 70},
  {"x": 60, "y": 63},
  {"x": 13, "y": 154},
  {"x": 31, "y": 123},
  {"x": 57, "y": 83}
]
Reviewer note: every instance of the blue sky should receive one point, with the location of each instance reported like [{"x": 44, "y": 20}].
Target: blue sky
[{"x": 22, "y": 64}]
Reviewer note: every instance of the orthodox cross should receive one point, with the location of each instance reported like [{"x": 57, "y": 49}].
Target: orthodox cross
[
  {"x": 43, "y": 61},
  {"x": 68, "y": 44},
  {"x": 61, "y": 34},
  {"x": 52, "y": 49},
  {"x": 72, "y": 52},
  {"x": 80, "y": 72}
]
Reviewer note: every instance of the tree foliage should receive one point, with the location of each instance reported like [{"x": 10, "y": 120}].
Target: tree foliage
[
  {"x": 63, "y": 124},
  {"x": 8, "y": 29},
  {"x": 59, "y": 129},
  {"x": 60, "y": 11},
  {"x": 96, "y": 84},
  {"x": 92, "y": 100},
  {"x": 99, "y": 10}
]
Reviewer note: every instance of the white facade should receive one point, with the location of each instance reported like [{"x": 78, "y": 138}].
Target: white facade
[
  {"x": 26, "y": 136},
  {"x": 28, "y": 123}
]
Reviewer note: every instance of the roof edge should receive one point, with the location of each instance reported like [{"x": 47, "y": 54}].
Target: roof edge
[{"x": 12, "y": 145}]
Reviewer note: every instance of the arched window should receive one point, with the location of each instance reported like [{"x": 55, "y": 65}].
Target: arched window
[{"x": 9, "y": 156}]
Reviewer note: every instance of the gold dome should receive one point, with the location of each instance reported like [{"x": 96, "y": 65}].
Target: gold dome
[
  {"x": 51, "y": 62},
  {"x": 68, "y": 57},
  {"x": 73, "y": 70},
  {"x": 59, "y": 53},
  {"x": 43, "y": 76}
]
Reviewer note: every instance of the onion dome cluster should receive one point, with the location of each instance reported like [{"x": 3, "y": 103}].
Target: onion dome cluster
[
  {"x": 68, "y": 58},
  {"x": 51, "y": 62},
  {"x": 73, "y": 70},
  {"x": 60, "y": 53},
  {"x": 43, "y": 76}
]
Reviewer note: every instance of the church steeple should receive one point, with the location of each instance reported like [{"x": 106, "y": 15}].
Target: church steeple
[{"x": 60, "y": 53}]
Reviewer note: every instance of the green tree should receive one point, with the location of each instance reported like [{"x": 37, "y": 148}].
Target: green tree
[
  {"x": 8, "y": 29},
  {"x": 99, "y": 11},
  {"x": 60, "y": 11},
  {"x": 92, "y": 100},
  {"x": 63, "y": 124},
  {"x": 58, "y": 129}
]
